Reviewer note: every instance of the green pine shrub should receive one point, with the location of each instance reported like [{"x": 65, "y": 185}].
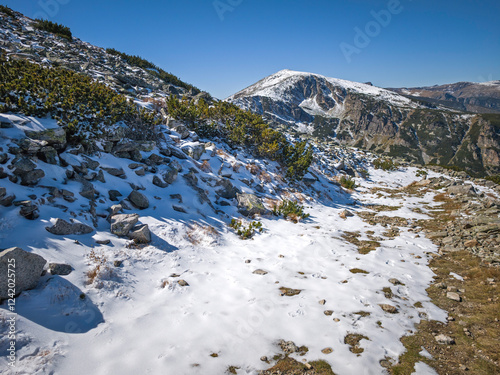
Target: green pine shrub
[
  {"x": 237, "y": 127},
  {"x": 153, "y": 69},
  {"x": 347, "y": 183},
  {"x": 385, "y": 164},
  {"x": 247, "y": 232},
  {"x": 290, "y": 210},
  {"x": 80, "y": 104},
  {"x": 54, "y": 28}
]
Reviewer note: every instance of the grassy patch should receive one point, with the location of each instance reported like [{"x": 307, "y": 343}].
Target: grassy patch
[
  {"x": 388, "y": 292},
  {"x": 289, "y": 292},
  {"x": 358, "y": 270},
  {"x": 364, "y": 246},
  {"x": 353, "y": 340},
  {"x": 474, "y": 321}
]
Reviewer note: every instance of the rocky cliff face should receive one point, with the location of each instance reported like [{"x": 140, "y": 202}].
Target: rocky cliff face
[
  {"x": 463, "y": 96},
  {"x": 379, "y": 120}
]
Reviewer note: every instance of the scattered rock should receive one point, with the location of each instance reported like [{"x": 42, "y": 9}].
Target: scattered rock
[
  {"x": 193, "y": 149},
  {"x": 139, "y": 200},
  {"x": 454, "y": 296},
  {"x": 249, "y": 205},
  {"x": 23, "y": 166},
  {"x": 345, "y": 214},
  {"x": 32, "y": 177},
  {"x": 29, "y": 211},
  {"x": 227, "y": 190},
  {"x": 117, "y": 172},
  {"x": 140, "y": 234},
  {"x": 29, "y": 268},
  {"x": 114, "y": 195},
  {"x": 158, "y": 182},
  {"x": 170, "y": 175},
  {"x": 121, "y": 224},
  {"x": 63, "y": 228},
  {"x": 179, "y": 209},
  {"x": 140, "y": 172},
  {"x": 115, "y": 209},
  {"x": 327, "y": 351},
  {"x": 103, "y": 242},
  {"x": 322, "y": 302},
  {"x": 462, "y": 189},
  {"x": 444, "y": 340},
  {"x": 7, "y": 200},
  {"x": 260, "y": 272},
  {"x": 117, "y": 263},
  {"x": 60, "y": 269},
  {"x": 182, "y": 283},
  {"x": 388, "y": 308}
]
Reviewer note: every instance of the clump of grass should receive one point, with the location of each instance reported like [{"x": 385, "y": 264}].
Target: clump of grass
[
  {"x": 290, "y": 210},
  {"x": 387, "y": 292},
  {"x": 363, "y": 314},
  {"x": 322, "y": 367},
  {"x": 99, "y": 266},
  {"x": 347, "y": 183},
  {"x": 353, "y": 340},
  {"x": 289, "y": 292},
  {"x": 358, "y": 270},
  {"x": 244, "y": 232}
]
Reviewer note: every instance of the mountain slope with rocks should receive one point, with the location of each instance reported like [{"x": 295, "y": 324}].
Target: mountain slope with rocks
[
  {"x": 474, "y": 97},
  {"x": 375, "y": 119},
  {"x": 210, "y": 243}
]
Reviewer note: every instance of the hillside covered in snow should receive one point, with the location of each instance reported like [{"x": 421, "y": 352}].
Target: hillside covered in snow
[{"x": 148, "y": 228}]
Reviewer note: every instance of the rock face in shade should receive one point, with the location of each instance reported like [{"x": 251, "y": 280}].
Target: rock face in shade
[{"x": 28, "y": 269}]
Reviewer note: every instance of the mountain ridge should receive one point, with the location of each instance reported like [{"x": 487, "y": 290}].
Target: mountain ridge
[{"x": 376, "y": 119}]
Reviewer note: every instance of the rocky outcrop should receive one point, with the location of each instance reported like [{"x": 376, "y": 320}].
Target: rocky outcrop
[{"x": 28, "y": 269}]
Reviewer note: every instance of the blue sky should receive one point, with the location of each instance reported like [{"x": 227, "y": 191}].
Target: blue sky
[{"x": 224, "y": 46}]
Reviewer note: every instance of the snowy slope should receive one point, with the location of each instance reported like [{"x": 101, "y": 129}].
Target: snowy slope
[{"x": 137, "y": 318}]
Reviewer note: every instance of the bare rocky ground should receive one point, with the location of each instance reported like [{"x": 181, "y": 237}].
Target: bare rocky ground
[{"x": 466, "y": 227}]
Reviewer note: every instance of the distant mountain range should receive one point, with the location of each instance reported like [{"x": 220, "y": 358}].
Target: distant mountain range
[
  {"x": 463, "y": 96},
  {"x": 422, "y": 125}
]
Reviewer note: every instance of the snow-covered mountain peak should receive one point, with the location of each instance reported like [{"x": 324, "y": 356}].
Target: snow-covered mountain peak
[{"x": 280, "y": 86}]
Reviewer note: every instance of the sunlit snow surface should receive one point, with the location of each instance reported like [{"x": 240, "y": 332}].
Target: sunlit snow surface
[{"x": 138, "y": 320}]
